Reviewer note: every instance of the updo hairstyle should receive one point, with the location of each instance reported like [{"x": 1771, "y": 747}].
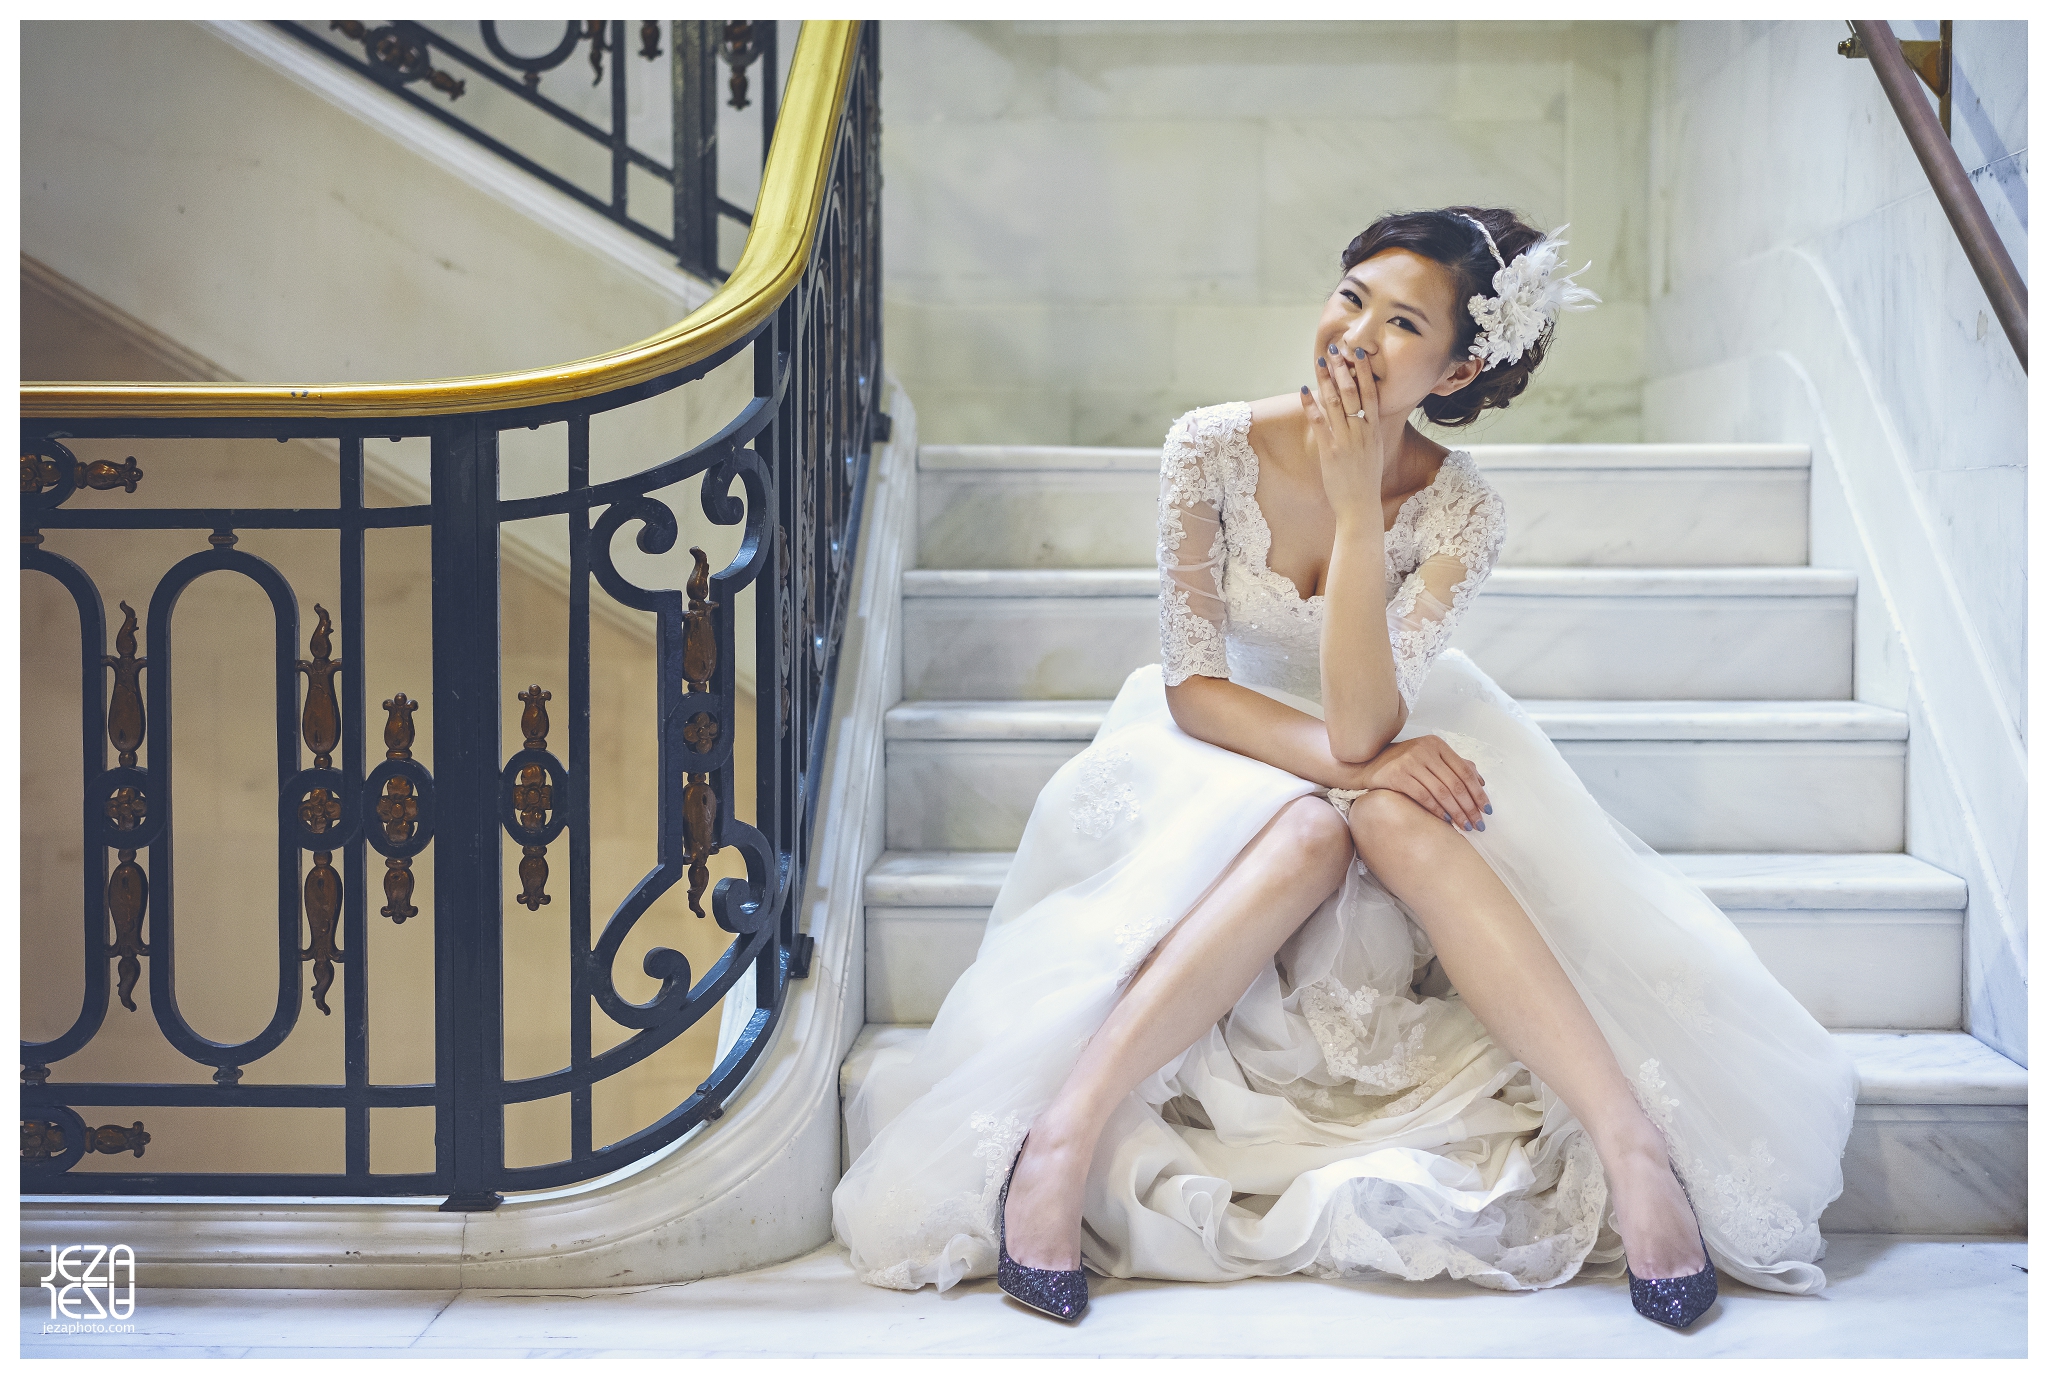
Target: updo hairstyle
[{"x": 1449, "y": 239}]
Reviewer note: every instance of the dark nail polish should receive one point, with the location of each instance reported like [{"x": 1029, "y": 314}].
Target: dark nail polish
[
  {"x": 1333, "y": 347},
  {"x": 1447, "y": 818},
  {"x": 1323, "y": 364},
  {"x": 1487, "y": 807},
  {"x": 1482, "y": 825},
  {"x": 1361, "y": 354},
  {"x": 1304, "y": 390}
]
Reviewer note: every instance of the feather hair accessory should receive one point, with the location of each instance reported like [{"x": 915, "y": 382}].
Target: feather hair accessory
[{"x": 1528, "y": 294}]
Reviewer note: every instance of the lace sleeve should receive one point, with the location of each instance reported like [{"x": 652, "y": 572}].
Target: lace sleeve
[
  {"x": 1191, "y": 609},
  {"x": 1460, "y": 537}
]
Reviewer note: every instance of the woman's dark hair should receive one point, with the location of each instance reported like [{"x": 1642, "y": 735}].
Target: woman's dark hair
[{"x": 1448, "y": 238}]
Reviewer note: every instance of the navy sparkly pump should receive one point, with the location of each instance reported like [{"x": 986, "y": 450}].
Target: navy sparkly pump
[
  {"x": 1676, "y": 1302},
  {"x": 1059, "y": 1293}
]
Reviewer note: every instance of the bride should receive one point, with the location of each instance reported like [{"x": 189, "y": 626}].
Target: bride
[{"x": 1320, "y": 959}]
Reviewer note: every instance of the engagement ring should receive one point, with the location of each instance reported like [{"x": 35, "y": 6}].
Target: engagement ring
[{"x": 1360, "y": 414}]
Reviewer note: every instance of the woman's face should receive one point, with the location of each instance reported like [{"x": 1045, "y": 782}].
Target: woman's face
[{"x": 1398, "y": 307}]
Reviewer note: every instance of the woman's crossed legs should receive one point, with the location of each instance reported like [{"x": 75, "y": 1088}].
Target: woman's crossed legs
[{"x": 1492, "y": 954}]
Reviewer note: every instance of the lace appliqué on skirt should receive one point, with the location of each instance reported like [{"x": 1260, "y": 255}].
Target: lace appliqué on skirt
[
  {"x": 1343, "y": 1024},
  {"x": 1682, "y": 993},
  {"x": 1101, "y": 800},
  {"x": 1743, "y": 1204}
]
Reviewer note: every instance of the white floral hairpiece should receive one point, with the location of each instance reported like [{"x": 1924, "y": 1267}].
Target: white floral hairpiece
[{"x": 1526, "y": 300}]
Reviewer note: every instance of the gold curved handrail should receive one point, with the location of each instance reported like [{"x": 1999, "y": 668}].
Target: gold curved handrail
[{"x": 786, "y": 219}]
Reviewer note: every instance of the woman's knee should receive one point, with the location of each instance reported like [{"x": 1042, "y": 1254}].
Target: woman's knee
[
  {"x": 1311, "y": 828},
  {"x": 1388, "y": 828}
]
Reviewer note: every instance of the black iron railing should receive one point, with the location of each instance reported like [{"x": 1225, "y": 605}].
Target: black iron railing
[
  {"x": 355, "y": 808},
  {"x": 431, "y": 68}
]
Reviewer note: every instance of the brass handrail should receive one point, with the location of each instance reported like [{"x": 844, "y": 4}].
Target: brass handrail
[
  {"x": 786, "y": 219},
  {"x": 1945, "y": 174}
]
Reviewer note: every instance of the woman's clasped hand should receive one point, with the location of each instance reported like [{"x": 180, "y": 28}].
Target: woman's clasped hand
[{"x": 1427, "y": 771}]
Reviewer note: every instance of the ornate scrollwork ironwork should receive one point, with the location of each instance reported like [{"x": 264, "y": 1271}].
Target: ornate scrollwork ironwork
[
  {"x": 44, "y": 1140},
  {"x": 785, "y": 631},
  {"x": 532, "y": 798},
  {"x": 323, "y": 912},
  {"x": 41, "y": 1139},
  {"x": 127, "y": 893},
  {"x": 701, "y": 732},
  {"x": 126, "y": 720},
  {"x": 401, "y": 55},
  {"x": 127, "y": 809},
  {"x": 320, "y": 810},
  {"x": 740, "y": 44},
  {"x": 117, "y": 1139},
  {"x": 398, "y": 810},
  {"x": 127, "y": 903},
  {"x": 321, "y": 721},
  {"x": 400, "y": 49},
  {"x": 700, "y": 663},
  {"x": 40, "y": 473}
]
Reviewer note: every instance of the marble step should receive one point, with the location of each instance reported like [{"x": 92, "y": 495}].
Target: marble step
[
  {"x": 991, "y": 507},
  {"x": 1749, "y": 633},
  {"x": 1864, "y": 940},
  {"x": 1938, "y": 1146},
  {"x": 1727, "y": 776}
]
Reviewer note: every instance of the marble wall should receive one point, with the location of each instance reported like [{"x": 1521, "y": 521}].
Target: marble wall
[
  {"x": 1091, "y": 227},
  {"x": 1805, "y": 286}
]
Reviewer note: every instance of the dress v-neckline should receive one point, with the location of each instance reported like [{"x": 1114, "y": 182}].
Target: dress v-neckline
[{"x": 1259, "y": 550}]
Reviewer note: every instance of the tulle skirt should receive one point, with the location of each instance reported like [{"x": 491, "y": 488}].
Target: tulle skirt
[{"x": 1340, "y": 1120}]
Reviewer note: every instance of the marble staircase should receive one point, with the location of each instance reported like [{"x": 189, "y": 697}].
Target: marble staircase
[{"x": 1653, "y": 611}]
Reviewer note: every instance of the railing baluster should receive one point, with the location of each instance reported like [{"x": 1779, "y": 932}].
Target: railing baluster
[
  {"x": 468, "y": 879},
  {"x": 580, "y": 765},
  {"x": 619, "y": 159},
  {"x": 355, "y": 938},
  {"x": 693, "y": 50}
]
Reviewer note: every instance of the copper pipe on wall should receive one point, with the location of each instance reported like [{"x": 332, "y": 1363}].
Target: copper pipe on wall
[{"x": 1952, "y": 187}]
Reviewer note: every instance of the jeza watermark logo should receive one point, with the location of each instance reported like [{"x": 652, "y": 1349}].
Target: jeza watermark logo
[{"x": 88, "y": 1283}]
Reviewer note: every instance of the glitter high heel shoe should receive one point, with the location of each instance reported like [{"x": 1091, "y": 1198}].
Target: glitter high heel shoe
[
  {"x": 1676, "y": 1302},
  {"x": 1059, "y": 1293}
]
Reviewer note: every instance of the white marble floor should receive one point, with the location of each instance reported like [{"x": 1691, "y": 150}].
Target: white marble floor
[{"x": 1887, "y": 1296}]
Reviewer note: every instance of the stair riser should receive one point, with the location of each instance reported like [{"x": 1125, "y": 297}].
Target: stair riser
[
  {"x": 1676, "y": 796},
  {"x": 1540, "y": 646},
  {"x": 1934, "y": 1170},
  {"x": 1020, "y": 519},
  {"x": 1855, "y": 969}
]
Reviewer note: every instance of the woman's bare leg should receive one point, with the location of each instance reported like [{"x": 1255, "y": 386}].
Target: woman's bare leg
[
  {"x": 1510, "y": 979},
  {"x": 1194, "y": 976}
]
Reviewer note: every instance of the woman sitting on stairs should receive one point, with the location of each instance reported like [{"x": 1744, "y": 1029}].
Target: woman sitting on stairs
[{"x": 1320, "y": 959}]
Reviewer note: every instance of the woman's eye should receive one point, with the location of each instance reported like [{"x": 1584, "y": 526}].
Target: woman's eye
[
  {"x": 1348, "y": 295},
  {"x": 1404, "y": 323}
]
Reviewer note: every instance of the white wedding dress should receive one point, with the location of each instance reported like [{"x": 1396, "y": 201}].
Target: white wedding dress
[{"x": 1337, "y": 1122}]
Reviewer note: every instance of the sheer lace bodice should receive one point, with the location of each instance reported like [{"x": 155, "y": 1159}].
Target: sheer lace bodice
[{"x": 1223, "y": 612}]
